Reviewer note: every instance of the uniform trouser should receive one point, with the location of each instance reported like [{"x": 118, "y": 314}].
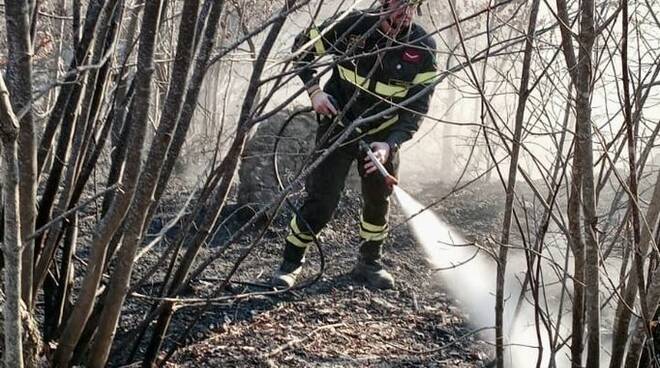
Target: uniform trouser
[{"x": 324, "y": 186}]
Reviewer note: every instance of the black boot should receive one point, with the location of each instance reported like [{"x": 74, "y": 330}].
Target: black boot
[
  {"x": 292, "y": 260},
  {"x": 369, "y": 268}
]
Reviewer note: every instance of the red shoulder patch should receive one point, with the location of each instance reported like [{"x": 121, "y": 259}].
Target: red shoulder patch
[{"x": 413, "y": 56}]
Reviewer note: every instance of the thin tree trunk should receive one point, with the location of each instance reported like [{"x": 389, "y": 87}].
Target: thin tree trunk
[
  {"x": 11, "y": 246},
  {"x": 577, "y": 246},
  {"x": 123, "y": 123},
  {"x": 187, "y": 112},
  {"x": 523, "y": 94},
  {"x": 580, "y": 70},
  {"x": 72, "y": 149},
  {"x": 229, "y": 165},
  {"x": 113, "y": 219},
  {"x": 107, "y": 47},
  {"x": 583, "y": 88},
  {"x": 208, "y": 25},
  {"x": 640, "y": 238},
  {"x": 19, "y": 84},
  {"x": 639, "y": 334},
  {"x": 65, "y": 280},
  {"x": 93, "y": 10},
  {"x": 623, "y": 313},
  {"x": 138, "y": 213}
]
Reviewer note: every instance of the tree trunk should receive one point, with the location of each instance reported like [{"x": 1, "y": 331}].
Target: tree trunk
[
  {"x": 577, "y": 246},
  {"x": 580, "y": 70},
  {"x": 641, "y": 238},
  {"x": 113, "y": 219},
  {"x": 217, "y": 201},
  {"x": 523, "y": 94},
  {"x": 74, "y": 155},
  {"x": 188, "y": 109},
  {"x": 19, "y": 86},
  {"x": 11, "y": 246},
  {"x": 583, "y": 88},
  {"x": 137, "y": 216},
  {"x": 81, "y": 49}
]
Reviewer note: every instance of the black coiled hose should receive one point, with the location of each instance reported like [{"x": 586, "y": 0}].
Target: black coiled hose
[{"x": 293, "y": 208}]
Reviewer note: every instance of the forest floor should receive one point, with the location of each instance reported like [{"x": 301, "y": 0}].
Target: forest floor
[{"x": 335, "y": 322}]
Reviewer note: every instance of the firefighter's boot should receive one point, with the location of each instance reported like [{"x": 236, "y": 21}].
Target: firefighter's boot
[
  {"x": 369, "y": 268},
  {"x": 286, "y": 274}
]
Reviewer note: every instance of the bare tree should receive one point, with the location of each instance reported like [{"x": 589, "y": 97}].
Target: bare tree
[
  {"x": 19, "y": 85},
  {"x": 112, "y": 219},
  {"x": 11, "y": 245},
  {"x": 583, "y": 183},
  {"x": 523, "y": 93},
  {"x": 146, "y": 185}
]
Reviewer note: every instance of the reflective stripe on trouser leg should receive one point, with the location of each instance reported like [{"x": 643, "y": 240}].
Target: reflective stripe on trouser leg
[
  {"x": 324, "y": 186},
  {"x": 373, "y": 236},
  {"x": 374, "y": 225},
  {"x": 372, "y": 232},
  {"x": 296, "y": 243},
  {"x": 298, "y": 237}
]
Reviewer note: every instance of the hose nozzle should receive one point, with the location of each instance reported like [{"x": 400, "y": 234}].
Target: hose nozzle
[{"x": 390, "y": 180}]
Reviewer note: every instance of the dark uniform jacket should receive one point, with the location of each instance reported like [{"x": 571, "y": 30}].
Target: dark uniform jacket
[{"x": 383, "y": 71}]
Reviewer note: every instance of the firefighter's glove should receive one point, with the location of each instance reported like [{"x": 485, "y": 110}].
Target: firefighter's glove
[
  {"x": 322, "y": 103},
  {"x": 382, "y": 152}
]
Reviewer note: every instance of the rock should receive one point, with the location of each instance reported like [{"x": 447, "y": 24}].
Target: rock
[{"x": 258, "y": 184}]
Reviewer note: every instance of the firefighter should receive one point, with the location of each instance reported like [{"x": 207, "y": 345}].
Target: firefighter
[{"x": 382, "y": 59}]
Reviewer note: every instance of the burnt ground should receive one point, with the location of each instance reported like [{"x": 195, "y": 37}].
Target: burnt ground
[{"x": 335, "y": 321}]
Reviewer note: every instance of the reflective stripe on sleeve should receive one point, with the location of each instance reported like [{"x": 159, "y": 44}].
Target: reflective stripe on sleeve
[
  {"x": 353, "y": 78},
  {"x": 383, "y": 89},
  {"x": 426, "y": 77},
  {"x": 314, "y": 34},
  {"x": 390, "y": 90},
  {"x": 386, "y": 124}
]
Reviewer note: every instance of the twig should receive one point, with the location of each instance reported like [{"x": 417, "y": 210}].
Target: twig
[
  {"x": 440, "y": 348},
  {"x": 297, "y": 341},
  {"x": 70, "y": 212},
  {"x": 457, "y": 265}
]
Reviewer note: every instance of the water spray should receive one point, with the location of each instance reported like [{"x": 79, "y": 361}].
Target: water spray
[{"x": 467, "y": 272}]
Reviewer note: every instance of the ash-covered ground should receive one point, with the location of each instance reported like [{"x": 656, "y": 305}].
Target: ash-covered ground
[{"x": 335, "y": 321}]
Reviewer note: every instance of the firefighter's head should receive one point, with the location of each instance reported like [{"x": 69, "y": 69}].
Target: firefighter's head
[{"x": 398, "y": 14}]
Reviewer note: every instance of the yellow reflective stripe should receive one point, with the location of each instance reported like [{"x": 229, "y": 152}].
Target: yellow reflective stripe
[
  {"x": 353, "y": 78},
  {"x": 296, "y": 230},
  {"x": 372, "y": 236},
  {"x": 383, "y": 89},
  {"x": 386, "y": 124},
  {"x": 314, "y": 34},
  {"x": 425, "y": 78},
  {"x": 297, "y": 242},
  {"x": 371, "y": 227},
  {"x": 390, "y": 90}
]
